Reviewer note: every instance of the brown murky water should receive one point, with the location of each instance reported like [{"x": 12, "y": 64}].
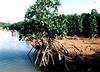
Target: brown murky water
[{"x": 13, "y": 54}]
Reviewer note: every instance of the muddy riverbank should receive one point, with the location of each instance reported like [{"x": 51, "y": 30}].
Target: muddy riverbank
[{"x": 84, "y": 55}]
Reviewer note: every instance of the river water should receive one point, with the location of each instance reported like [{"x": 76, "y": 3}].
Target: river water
[{"x": 13, "y": 54}]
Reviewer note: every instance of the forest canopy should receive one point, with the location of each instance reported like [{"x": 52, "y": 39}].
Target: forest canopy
[{"x": 43, "y": 18}]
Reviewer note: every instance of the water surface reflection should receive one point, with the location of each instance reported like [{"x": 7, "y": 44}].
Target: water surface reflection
[{"x": 13, "y": 54}]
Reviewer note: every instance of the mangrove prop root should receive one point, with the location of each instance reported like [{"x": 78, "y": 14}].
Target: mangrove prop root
[
  {"x": 37, "y": 57},
  {"x": 48, "y": 53}
]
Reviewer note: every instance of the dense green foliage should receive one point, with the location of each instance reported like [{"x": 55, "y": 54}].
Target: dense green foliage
[
  {"x": 98, "y": 22},
  {"x": 43, "y": 19},
  {"x": 74, "y": 24},
  {"x": 2, "y": 24},
  {"x": 17, "y": 26}
]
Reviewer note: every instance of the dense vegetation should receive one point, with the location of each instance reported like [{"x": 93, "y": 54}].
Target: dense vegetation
[
  {"x": 3, "y": 25},
  {"x": 60, "y": 25},
  {"x": 56, "y": 24},
  {"x": 17, "y": 26},
  {"x": 42, "y": 20},
  {"x": 43, "y": 17}
]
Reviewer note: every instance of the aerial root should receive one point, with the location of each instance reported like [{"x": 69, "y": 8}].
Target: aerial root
[{"x": 46, "y": 55}]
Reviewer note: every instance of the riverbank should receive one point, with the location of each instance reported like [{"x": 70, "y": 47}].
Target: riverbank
[{"x": 83, "y": 55}]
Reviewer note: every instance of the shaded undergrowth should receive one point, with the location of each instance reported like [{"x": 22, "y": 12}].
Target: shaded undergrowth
[{"x": 78, "y": 64}]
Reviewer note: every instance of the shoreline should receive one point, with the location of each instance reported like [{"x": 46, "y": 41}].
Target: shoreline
[{"x": 84, "y": 60}]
